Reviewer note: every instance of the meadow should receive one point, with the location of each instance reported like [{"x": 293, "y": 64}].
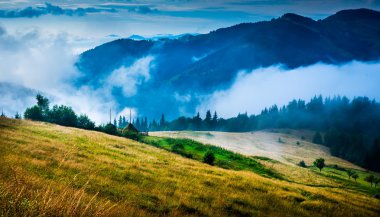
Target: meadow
[
  {"x": 50, "y": 170},
  {"x": 295, "y": 145}
]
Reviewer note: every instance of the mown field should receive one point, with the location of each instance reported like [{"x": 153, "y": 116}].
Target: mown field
[
  {"x": 49, "y": 170},
  {"x": 266, "y": 143},
  {"x": 282, "y": 158}
]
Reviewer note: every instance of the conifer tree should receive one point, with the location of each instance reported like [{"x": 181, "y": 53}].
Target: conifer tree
[
  {"x": 208, "y": 120},
  {"x": 120, "y": 123},
  {"x": 162, "y": 122}
]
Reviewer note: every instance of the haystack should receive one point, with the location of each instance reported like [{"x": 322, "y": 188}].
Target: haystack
[{"x": 130, "y": 129}]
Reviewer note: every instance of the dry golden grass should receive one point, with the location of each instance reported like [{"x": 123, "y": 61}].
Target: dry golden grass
[{"x": 49, "y": 170}]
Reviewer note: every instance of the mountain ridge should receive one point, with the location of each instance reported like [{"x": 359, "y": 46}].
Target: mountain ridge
[{"x": 192, "y": 64}]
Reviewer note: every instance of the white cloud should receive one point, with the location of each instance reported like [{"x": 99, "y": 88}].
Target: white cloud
[
  {"x": 30, "y": 59},
  {"x": 129, "y": 78},
  {"x": 128, "y": 111},
  {"x": 14, "y": 98},
  {"x": 263, "y": 87}
]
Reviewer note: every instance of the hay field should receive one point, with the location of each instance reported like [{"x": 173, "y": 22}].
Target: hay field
[
  {"x": 50, "y": 170},
  {"x": 265, "y": 143}
]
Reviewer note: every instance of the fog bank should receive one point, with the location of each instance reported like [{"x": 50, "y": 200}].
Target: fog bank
[{"x": 263, "y": 87}]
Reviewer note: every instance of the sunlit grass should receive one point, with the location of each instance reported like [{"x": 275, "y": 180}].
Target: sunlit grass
[
  {"x": 49, "y": 170},
  {"x": 223, "y": 158}
]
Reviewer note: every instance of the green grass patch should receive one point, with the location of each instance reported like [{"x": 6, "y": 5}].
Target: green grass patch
[
  {"x": 267, "y": 159},
  {"x": 339, "y": 174},
  {"x": 223, "y": 158}
]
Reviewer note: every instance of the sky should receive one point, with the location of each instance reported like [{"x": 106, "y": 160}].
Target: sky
[
  {"x": 40, "y": 41},
  {"x": 92, "y": 22}
]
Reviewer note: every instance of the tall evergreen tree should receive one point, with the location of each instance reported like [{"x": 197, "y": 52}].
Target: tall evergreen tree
[
  {"x": 208, "y": 120},
  {"x": 124, "y": 122},
  {"x": 17, "y": 116},
  {"x": 214, "y": 121},
  {"x": 153, "y": 126},
  {"x": 162, "y": 122},
  {"x": 120, "y": 122},
  {"x": 138, "y": 124},
  {"x": 145, "y": 125},
  {"x": 197, "y": 122}
]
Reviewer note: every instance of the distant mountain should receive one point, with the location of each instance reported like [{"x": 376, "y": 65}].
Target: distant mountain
[
  {"x": 191, "y": 65},
  {"x": 137, "y": 37},
  {"x": 159, "y": 36}
]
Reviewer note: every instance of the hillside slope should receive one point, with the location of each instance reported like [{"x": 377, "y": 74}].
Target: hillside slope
[
  {"x": 281, "y": 150},
  {"x": 50, "y": 170},
  {"x": 266, "y": 143}
]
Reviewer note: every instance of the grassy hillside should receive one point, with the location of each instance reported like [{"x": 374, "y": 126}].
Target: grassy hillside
[
  {"x": 49, "y": 170},
  {"x": 266, "y": 143},
  {"x": 282, "y": 157}
]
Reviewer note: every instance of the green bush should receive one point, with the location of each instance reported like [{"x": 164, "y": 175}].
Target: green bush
[
  {"x": 302, "y": 164},
  {"x": 33, "y": 113},
  {"x": 209, "y": 158},
  {"x": 85, "y": 123},
  {"x": 109, "y": 129}
]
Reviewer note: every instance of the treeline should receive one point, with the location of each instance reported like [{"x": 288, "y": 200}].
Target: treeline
[
  {"x": 63, "y": 115},
  {"x": 140, "y": 123},
  {"x": 351, "y": 128}
]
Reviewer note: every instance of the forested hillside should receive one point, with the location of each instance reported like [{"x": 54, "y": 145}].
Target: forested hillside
[{"x": 350, "y": 128}]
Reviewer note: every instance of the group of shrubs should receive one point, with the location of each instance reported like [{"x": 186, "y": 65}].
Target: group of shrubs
[
  {"x": 320, "y": 164},
  {"x": 65, "y": 116},
  {"x": 59, "y": 114}
]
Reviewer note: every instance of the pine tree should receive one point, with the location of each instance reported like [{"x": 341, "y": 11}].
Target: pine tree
[
  {"x": 120, "y": 123},
  {"x": 197, "y": 122},
  {"x": 162, "y": 122},
  {"x": 153, "y": 126},
  {"x": 145, "y": 124},
  {"x": 208, "y": 120},
  {"x": 124, "y": 122},
  {"x": 17, "y": 116},
  {"x": 138, "y": 124},
  {"x": 214, "y": 121}
]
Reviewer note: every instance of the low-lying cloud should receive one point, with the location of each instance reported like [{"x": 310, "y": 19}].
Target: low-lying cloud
[
  {"x": 32, "y": 62},
  {"x": 252, "y": 91},
  {"x": 129, "y": 78}
]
